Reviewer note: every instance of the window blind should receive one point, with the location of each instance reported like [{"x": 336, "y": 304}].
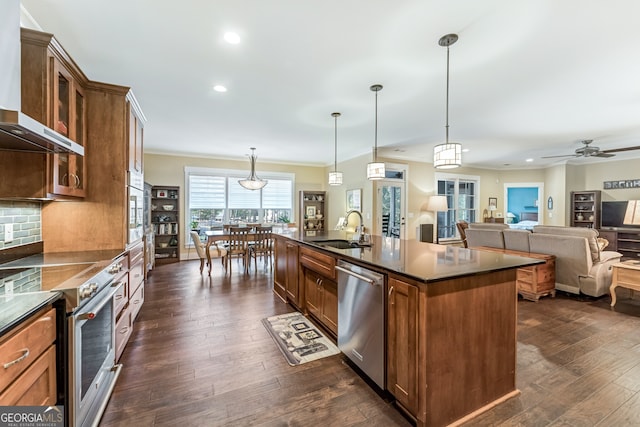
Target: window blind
[
  {"x": 277, "y": 194},
  {"x": 207, "y": 192}
]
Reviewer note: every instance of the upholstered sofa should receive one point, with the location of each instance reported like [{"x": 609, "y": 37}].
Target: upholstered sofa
[{"x": 581, "y": 266}]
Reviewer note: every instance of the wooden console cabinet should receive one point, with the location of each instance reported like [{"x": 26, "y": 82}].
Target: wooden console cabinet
[
  {"x": 534, "y": 281},
  {"x": 626, "y": 241}
]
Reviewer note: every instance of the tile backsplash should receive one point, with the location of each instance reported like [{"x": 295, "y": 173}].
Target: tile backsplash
[{"x": 26, "y": 219}]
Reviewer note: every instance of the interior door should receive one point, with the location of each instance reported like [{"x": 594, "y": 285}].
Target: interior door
[{"x": 391, "y": 210}]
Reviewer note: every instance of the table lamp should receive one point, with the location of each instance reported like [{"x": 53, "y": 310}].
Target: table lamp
[
  {"x": 491, "y": 209},
  {"x": 437, "y": 204}
]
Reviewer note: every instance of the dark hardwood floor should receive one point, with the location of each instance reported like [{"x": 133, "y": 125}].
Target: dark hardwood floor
[{"x": 199, "y": 356}]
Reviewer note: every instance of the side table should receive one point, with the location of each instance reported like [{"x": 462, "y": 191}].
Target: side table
[{"x": 625, "y": 275}]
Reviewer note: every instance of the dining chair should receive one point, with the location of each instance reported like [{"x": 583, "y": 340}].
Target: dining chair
[
  {"x": 261, "y": 246},
  {"x": 207, "y": 255},
  {"x": 237, "y": 246},
  {"x": 462, "y": 226}
]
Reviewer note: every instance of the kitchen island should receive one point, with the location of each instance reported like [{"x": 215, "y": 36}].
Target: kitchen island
[{"x": 450, "y": 316}]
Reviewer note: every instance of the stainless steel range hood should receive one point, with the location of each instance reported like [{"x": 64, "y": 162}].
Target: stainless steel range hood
[{"x": 19, "y": 132}]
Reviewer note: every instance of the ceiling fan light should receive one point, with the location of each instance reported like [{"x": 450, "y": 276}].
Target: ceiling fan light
[
  {"x": 447, "y": 156},
  {"x": 375, "y": 170},
  {"x": 335, "y": 178}
]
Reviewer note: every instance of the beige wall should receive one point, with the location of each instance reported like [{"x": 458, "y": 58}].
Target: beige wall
[
  {"x": 558, "y": 181},
  {"x": 169, "y": 170}
]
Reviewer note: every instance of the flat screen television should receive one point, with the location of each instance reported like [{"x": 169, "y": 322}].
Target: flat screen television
[{"x": 613, "y": 214}]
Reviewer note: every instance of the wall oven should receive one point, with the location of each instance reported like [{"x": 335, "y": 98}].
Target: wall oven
[{"x": 135, "y": 214}]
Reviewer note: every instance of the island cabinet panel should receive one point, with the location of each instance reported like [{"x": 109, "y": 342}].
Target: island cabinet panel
[
  {"x": 329, "y": 307},
  {"x": 286, "y": 281},
  {"x": 321, "y": 299},
  {"x": 280, "y": 273},
  {"x": 402, "y": 343},
  {"x": 467, "y": 346},
  {"x": 291, "y": 279}
]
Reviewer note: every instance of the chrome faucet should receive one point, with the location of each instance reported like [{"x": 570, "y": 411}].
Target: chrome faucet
[{"x": 346, "y": 221}]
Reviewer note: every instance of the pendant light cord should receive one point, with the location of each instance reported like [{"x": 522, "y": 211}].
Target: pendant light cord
[
  {"x": 335, "y": 144},
  {"x": 447, "y": 110},
  {"x": 375, "y": 140}
]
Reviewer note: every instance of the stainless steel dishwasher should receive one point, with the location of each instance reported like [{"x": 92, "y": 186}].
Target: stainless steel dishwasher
[{"x": 361, "y": 319}]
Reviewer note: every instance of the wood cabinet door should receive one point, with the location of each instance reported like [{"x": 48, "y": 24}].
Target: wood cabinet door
[
  {"x": 312, "y": 292},
  {"x": 280, "y": 273},
  {"x": 329, "y": 306},
  {"x": 135, "y": 142},
  {"x": 68, "y": 112},
  {"x": 402, "y": 343},
  {"x": 292, "y": 273}
]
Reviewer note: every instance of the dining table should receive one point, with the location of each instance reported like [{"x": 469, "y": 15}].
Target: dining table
[{"x": 215, "y": 236}]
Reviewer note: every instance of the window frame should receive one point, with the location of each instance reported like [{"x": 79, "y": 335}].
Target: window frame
[
  {"x": 232, "y": 174},
  {"x": 454, "y": 213}
]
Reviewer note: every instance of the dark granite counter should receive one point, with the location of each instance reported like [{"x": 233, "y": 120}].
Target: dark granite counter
[
  {"x": 27, "y": 295},
  {"x": 424, "y": 262},
  {"x": 16, "y": 308},
  {"x": 62, "y": 258}
]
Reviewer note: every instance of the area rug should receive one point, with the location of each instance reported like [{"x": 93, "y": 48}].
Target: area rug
[{"x": 298, "y": 339}]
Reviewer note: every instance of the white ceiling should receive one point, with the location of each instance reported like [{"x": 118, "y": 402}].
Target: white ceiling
[{"x": 529, "y": 78}]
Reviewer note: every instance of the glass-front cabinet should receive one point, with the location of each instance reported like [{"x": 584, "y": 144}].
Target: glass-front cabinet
[{"x": 68, "y": 171}]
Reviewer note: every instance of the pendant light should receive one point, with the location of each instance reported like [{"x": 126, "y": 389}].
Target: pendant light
[
  {"x": 449, "y": 154},
  {"x": 375, "y": 169},
  {"x": 335, "y": 177},
  {"x": 252, "y": 182}
]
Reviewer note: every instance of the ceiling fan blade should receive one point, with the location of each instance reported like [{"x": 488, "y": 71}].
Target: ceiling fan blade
[
  {"x": 617, "y": 150},
  {"x": 564, "y": 155},
  {"x": 602, "y": 154}
]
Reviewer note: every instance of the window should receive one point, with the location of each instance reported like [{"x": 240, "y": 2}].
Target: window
[
  {"x": 462, "y": 199},
  {"x": 214, "y": 198}
]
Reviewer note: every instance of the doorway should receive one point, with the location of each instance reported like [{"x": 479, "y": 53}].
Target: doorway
[
  {"x": 391, "y": 202},
  {"x": 522, "y": 202}
]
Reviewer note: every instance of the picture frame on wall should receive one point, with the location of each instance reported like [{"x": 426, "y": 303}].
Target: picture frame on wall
[
  {"x": 493, "y": 201},
  {"x": 354, "y": 199}
]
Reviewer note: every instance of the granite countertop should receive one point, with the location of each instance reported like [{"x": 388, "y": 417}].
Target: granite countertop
[
  {"x": 62, "y": 258},
  {"x": 424, "y": 262},
  {"x": 16, "y": 308}
]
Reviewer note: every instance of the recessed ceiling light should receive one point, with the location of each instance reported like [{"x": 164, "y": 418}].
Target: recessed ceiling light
[
  {"x": 219, "y": 88},
  {"x": 529, "y": 160},
  {"x": 231, "y": 37},
  {"x": 465, "y": 150}
]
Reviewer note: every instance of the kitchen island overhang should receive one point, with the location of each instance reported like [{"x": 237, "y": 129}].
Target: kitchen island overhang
[{"x": 463, "y": 312}]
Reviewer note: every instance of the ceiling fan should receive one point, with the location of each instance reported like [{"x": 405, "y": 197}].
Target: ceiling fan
[{"x": 591, "y": 151}]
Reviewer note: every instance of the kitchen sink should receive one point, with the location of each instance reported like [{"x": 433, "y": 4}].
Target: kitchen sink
[{"x": 339, "y": 243}]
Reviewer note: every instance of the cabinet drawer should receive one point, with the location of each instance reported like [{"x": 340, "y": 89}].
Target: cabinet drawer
[
  {"x": 23, "y": 347},
  {"x": 122, "y": 296},
  {"x": 136, "y": 276},
  {"x": 318, "y": 262},
  {"x": 136, "y": 253},
  {"x": 135, "y": 302},
  {"x": 627, "y": 275},
  {"x": 123, "y": 332},
  {"x": 36, "y": 386}
]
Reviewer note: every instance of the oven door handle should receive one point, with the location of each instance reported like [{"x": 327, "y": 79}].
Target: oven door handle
[{"x": 107, "y": 298}]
